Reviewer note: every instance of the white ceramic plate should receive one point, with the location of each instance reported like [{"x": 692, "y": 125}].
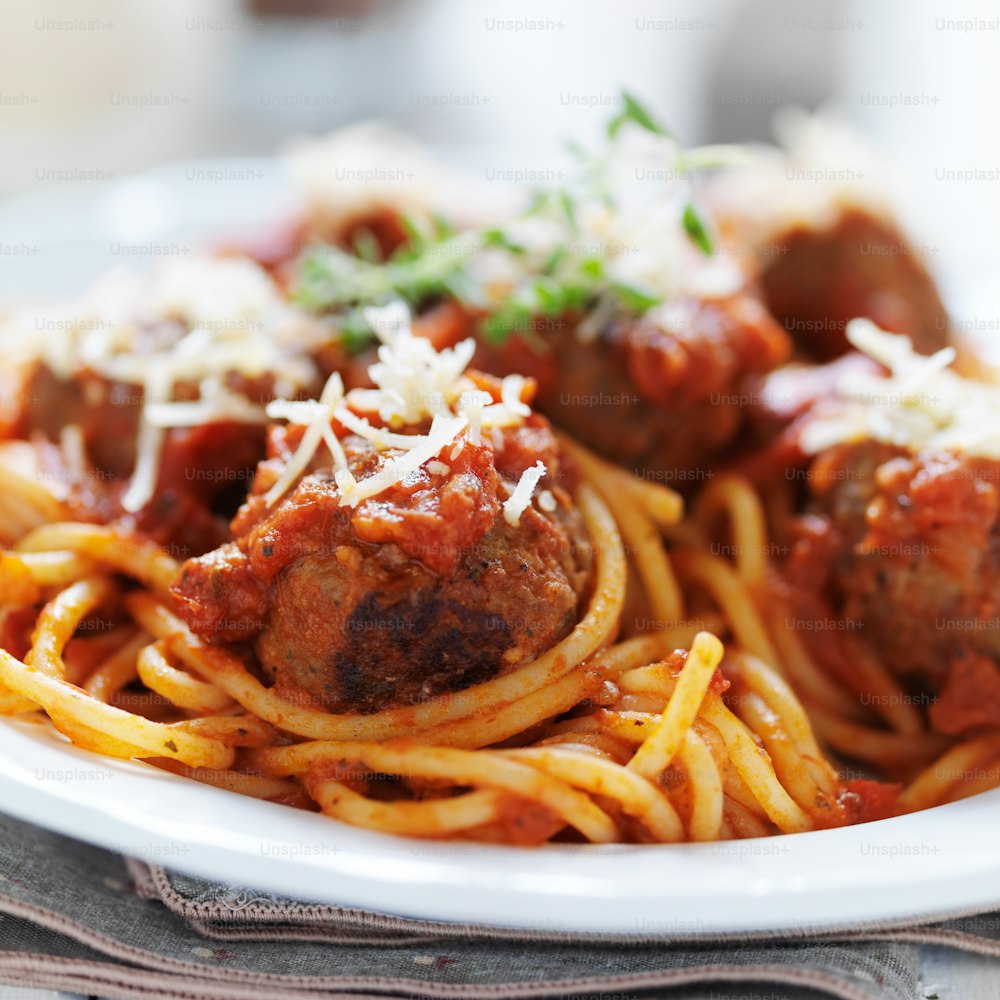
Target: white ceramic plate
[
  {"x": 929, "y": 864},
  {"x": 933, "y": 863}
]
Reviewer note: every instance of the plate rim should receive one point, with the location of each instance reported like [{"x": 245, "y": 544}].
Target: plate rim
[{"x": 759, "y": 887}]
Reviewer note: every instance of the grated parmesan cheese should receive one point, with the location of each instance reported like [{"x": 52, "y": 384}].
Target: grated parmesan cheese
[
  {"x": 316, "y": 416},
  {"x": 920, "y": 404},
  {"x": 220, "y": 405},
  {"x": 520, "y": 499},
  {"x": 644, "y": 238},
  {"x": 414, "y": 383},
  {"x": 443, "y": 432},
  {"x": 73, "y": 449},
  {"x": 822, "y": 169},
  {"x": 547, "y": 502},
  {"x": 157, "y": 385},
  {"x": 510, "y": 394},
  {"x": 195, "y": 320},
  {"x": 473, "y": 404}
]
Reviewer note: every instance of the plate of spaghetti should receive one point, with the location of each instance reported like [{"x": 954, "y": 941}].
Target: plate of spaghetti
[{"x": 633, "y": 542}]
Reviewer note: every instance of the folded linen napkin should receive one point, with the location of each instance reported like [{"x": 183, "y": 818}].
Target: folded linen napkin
[{"x": 74, "y": 917}]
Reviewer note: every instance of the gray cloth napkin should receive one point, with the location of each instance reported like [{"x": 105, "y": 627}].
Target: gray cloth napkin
[{"x": 78, "y": 918}]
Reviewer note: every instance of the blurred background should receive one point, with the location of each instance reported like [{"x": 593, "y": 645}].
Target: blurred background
[{"x": 91, "y": 92}]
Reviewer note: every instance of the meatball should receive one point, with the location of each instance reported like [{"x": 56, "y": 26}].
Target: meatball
[
  {"x": 907, "y": 547},
  {"x": 200, "y": 469},
  {"x": 661, "y": 394},
  {"x": 816, "y": 280},
  {"x": 817, "y": 222},
  {"x": 206, "y": 342},
  {"x": 425, "y": 588},
  {"x": 780, "y": 405}
]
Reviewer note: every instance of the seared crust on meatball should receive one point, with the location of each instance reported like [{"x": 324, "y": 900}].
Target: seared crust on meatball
[{"x": 423, "y": 589}]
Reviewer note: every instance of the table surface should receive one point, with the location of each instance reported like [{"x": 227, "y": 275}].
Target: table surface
[{"x": 946, "y": 975}]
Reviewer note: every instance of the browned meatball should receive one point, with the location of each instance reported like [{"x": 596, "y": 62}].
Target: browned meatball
[
  {"x": 423, "y": 589},
  {"x": 201, "y": 468},
  {"x": 816, "y": 280},
  {"x": 907, "y": 548},
  {"x": 662, "y": 397}
]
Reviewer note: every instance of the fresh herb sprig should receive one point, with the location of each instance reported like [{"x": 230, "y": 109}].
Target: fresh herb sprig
[{"x": 574, "y": 277}]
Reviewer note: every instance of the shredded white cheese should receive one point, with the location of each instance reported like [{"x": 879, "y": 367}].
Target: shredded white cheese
[
  {"x": 220, "y": 405},
  {"x": 520, "y": 499},
  {"x": 315, "y": 415},
  {"x": 73, "y": 449},
  {"x": 473, "y": 404},
  {"x": 414, "y": 383},
  {"x": 921, "y": 404},
  {"x": 192, "y": 319},
  {"x": 443, "y": 432},
  {"x": 157, "y": 385},
  {"x": 547, "y": 502},
  {"x": 510, "y": 394},
  {"x": 822, "y": 168}
]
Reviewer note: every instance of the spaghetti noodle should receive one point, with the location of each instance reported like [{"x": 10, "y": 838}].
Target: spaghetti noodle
[
  {"x": 610, "y": 735},
  {"x": 652, "y": 683},
  {"x": 608, "y": 738}
]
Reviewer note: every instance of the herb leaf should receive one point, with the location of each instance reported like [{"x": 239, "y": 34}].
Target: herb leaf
[
  {"x": 695, "y": 227},
  {"x": 633, "y": 297},
  {"x": 556, "y": 258},
  {"x": 633, "y": 111}
]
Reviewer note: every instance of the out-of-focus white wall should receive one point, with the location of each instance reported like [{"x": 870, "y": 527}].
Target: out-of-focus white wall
[
  {"x": 542, "y": 72},
  {"x": 103, "y": 86},
  {"x": 920, "y": 78},
  {"x": 93, "y": 89}
]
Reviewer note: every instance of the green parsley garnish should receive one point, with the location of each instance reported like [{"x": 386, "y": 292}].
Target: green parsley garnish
[
  {"x": 694, "y": 226},
  {"x": 568, "y": 269},
  {"x": 633, "y": 111}
]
